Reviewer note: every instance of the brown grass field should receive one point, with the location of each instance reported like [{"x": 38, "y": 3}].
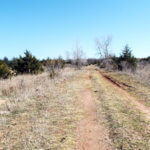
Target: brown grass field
[{"x": 86, "y": 109}]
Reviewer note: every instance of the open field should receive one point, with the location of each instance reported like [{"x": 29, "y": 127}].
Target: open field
[{"x": 87, "y": 109}]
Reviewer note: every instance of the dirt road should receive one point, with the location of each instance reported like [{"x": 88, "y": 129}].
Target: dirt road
[{"x": 90, "y": 131}]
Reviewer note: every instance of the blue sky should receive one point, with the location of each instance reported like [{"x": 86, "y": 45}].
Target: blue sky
[{"x": 49, "y": 28}]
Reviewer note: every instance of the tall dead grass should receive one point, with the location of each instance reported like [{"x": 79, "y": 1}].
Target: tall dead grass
[
  {"x": 143, "y": 72},
  {"x": 39, "y": 113}
]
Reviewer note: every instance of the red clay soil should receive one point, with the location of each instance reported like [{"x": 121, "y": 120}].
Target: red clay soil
[{"x": 89, "y": 131}]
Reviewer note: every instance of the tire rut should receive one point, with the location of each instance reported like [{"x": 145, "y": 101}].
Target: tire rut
[{"x": 144, "y": 109}]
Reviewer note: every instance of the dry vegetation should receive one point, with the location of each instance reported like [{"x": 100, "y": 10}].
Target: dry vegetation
[
  {"x": 143, "y": 73},
  {"x": 127, "y": 126},
  {"x": 39, "y": 113},
  {"x": 137, "y": 84},
  {"x": 42, "y": 113}
]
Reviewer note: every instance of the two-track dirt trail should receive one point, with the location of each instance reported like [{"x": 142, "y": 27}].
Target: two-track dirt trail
[
  {"x": 92, "y": 133},
  {"x": 80, "y": 109}
]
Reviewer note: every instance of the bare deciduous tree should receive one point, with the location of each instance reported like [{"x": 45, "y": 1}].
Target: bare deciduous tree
[
  {"x": 78, "y": 55},
  {"x": 103, "y": 49},
  {"x": 67, "y": 55},
  {"x": 103, "y": 46}
]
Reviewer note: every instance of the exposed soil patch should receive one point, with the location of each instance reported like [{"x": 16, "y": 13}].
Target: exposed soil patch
[{"x": 90, "y": 132}]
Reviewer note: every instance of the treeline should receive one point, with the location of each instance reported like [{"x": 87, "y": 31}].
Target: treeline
[
  {"x": 125, "y": 62},
  {"x": 27, "y": 64}
]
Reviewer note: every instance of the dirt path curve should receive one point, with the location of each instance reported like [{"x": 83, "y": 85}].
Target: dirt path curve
[
  {"x": 90, "y": 133},
  {"x": 144, "y": 109}
]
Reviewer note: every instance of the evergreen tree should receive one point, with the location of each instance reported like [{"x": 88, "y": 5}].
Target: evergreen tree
[
  {"x": 126, "y": 61},
  {"x": 27, "y": 64},
  {"x": 5, "y": 72},
  {"x": 127, "y": 57},
  {"x": 6, "y": 61}
]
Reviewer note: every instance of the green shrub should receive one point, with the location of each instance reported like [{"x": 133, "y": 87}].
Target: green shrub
[
  {"x": 5, "y": 72},
  {"x": 127, "y": 56},
  {"x": 126, "y": 61},
  {"x": 27, "y": 64}
]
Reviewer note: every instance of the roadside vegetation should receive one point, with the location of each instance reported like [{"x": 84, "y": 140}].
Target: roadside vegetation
[
  {"x": 132, "y": 83},
  {"x": 5, "y": 71},
  {"x": 127, "y": 127},
  {"x": 39, "y": 113}
]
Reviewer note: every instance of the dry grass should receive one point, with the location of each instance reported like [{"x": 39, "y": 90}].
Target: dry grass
[
  {"x": 127, "y": 127},
  {"x": 138, "y": 87},
  {"x": 39, "y": 113},
  {"x": 143, "y": 73}
]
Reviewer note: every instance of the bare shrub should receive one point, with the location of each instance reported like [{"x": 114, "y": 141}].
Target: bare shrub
[
  {"x": 108, "y": 64},
  {"x": 78, "y": 56},
  {"x": 143, "y": 71},
  {"x": 53, "y": 66},
  {"x": 103, "y": 49},
  {"x": 126, "y": 67},
  {"x": 50, "y": 68}
]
